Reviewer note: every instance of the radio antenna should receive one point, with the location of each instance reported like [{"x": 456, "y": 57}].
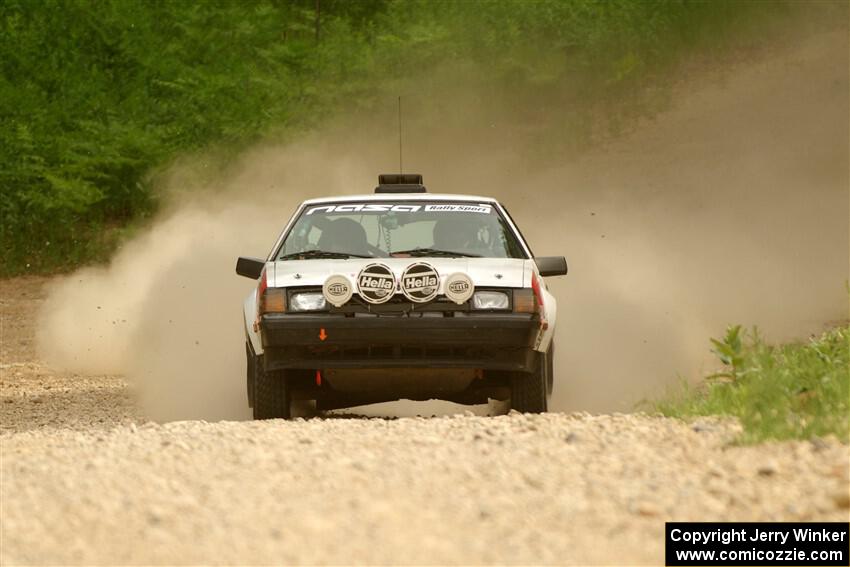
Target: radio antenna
[{"x": 400, "y": 170}]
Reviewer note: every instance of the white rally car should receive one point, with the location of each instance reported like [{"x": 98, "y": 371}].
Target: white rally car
[{"x": 399, "y": 294}]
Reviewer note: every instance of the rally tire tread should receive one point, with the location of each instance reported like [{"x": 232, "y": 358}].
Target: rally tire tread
[
  {"x": 271, "y": 395},
  {"x": 528, "y": 390}
]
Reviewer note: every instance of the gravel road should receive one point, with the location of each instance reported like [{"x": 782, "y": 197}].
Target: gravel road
[{"x": 86, "y": 479}]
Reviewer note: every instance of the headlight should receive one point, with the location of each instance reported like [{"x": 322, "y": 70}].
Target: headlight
[
  {"x": 490, "y": 300},
  {"x": 307, "y": 302}
]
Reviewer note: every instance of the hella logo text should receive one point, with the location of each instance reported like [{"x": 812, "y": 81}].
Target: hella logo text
[
  {"x": 370, "y": 282},
  {"x": 337, "y": 289},
  {"x": 424, "y": 281}
]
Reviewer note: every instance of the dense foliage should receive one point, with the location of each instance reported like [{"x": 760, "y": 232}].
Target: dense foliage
[
  {"x": 95, "y": 95},
  {"x": 794, "y": 391}
]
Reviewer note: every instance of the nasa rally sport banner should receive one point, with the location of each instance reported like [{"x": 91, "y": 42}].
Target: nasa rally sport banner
[
  {"x": 757, "y": 543},
  {"x": 480, "y": 208}
]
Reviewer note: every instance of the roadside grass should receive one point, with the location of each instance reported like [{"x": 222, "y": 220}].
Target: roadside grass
[{"x": 777, "y": 392}]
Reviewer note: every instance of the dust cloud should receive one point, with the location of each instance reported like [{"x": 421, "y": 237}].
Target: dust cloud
[{"x": 730, "y": 207}]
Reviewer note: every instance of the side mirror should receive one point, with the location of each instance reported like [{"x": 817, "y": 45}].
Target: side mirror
[
  {"x": 551, "y": 265},
  {"x": 250, "y": 267}
]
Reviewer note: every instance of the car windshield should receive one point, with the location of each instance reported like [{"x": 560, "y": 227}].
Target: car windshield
[{"x": 400, "y": 229}]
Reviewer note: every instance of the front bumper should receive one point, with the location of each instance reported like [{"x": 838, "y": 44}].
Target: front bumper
[{"x": 487, "y": 341}]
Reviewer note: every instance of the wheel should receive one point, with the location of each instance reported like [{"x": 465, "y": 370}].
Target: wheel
[
  {"x": 271, "y": 394},
  {"x": 528, "y": 389},
  {"x": 550, "y": 368},
  {"x": 252, "y": 362}
]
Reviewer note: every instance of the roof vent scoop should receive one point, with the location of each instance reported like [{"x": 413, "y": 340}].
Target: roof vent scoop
[{"x": 400, "y": 183}]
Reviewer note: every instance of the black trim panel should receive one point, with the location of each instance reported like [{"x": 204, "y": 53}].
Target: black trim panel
[{"x": 487, "y": 341}]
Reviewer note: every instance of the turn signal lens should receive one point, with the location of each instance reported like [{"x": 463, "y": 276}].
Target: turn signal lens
[
  {"x": 524, "y": 301},
  {"x": 273, "y": 301}
]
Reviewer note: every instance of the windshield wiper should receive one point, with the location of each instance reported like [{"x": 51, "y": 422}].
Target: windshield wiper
[
  {"x": 311, "y": 254},
  {"x": 416, "y": 252}
]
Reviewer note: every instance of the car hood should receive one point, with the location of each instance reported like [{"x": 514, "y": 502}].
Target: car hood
[{"x": 485, "y": 272}]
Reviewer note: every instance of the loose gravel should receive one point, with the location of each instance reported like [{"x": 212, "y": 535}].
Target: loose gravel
[{"x": 85, "y": 479}]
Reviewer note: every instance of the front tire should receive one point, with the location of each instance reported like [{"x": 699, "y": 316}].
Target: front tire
[
  {"x": 271, "y": 394},
  {"x": 529, "y": 390},
  {"x": 252, "y": 363}
]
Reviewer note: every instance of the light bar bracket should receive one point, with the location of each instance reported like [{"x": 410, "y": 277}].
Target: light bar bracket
[{"x": 400, "y": 183}]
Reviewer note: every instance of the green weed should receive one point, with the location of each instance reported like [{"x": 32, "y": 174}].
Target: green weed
[{"x": 792, "y": 391}]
